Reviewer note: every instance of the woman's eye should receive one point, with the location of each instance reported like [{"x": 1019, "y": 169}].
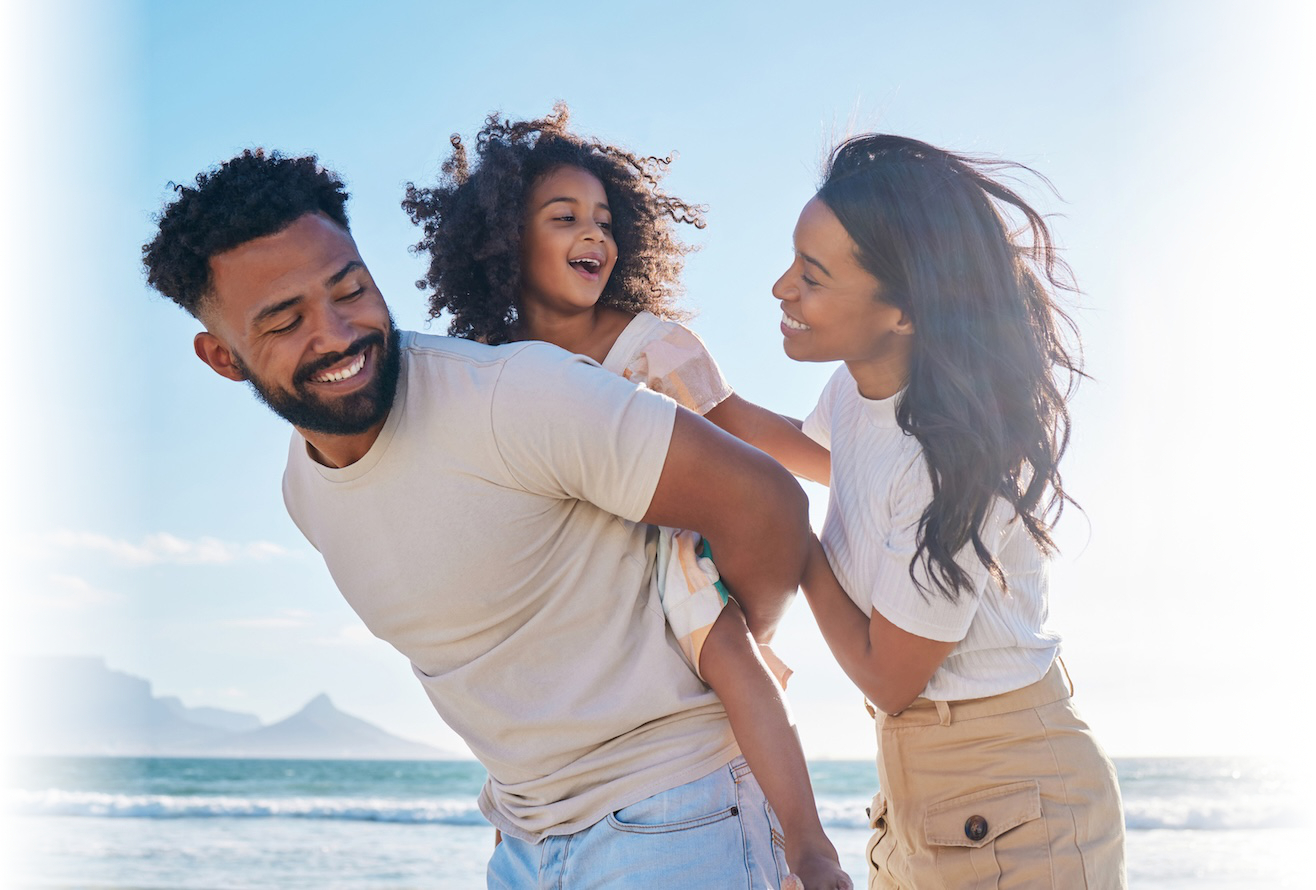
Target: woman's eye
[{"x": 809, "y": 281}]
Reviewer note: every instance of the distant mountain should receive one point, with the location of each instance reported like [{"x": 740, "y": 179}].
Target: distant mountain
[
  {"x": 79, "y": 707},
  {"x": 320, "y": 730}
]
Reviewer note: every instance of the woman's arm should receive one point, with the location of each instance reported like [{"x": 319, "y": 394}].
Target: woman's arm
[
  {"x": 890, "y": 666},
  {"x": 781, "y": 437}
]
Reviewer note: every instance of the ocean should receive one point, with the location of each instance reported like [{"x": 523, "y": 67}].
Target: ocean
[{"x": 180, "y": 824}]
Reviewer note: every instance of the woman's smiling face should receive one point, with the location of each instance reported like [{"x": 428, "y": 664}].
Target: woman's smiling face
[{"x": 832, "y": 308}]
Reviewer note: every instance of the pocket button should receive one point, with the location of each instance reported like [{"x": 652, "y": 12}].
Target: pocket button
[{"x": 975, "y": 828}]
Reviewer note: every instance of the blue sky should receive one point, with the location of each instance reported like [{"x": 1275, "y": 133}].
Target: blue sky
[{"x": 150, "y": 528}]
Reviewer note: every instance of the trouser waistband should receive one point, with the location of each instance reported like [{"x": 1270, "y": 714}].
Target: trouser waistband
[{"x": 1053, "y": 687}]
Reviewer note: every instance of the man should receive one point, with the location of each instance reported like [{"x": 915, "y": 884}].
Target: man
[{"x": 482, "y": 509}]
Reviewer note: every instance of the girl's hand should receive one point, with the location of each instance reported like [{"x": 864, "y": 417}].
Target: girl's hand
[{"x": 815, "y": 867}]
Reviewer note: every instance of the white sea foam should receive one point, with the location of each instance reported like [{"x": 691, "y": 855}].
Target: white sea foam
[
  {"x": 1225, "y": 813},
  {"x": 1190, "y": 813},
  {"x": 152, "y": 806}
]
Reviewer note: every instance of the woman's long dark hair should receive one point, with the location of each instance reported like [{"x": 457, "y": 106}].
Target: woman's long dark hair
[{"x": 995, "y": 358}]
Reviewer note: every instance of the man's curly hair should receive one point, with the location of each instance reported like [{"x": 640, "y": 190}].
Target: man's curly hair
[
  {"x": 250, "y": 196},
  {"x": 473, "y": 217}
]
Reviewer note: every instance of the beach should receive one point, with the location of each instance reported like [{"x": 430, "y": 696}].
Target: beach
[{"x": 207, "y": 824}]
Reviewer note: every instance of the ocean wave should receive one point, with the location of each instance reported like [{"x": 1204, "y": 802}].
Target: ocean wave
[
  {"x": 1211, "y": 814},
  {"x": 152, "y": 806},
  {"x": 1182, "y": 814}
]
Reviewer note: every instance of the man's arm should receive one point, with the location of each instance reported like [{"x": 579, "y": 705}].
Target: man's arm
[{"x": 751, "y": 510}]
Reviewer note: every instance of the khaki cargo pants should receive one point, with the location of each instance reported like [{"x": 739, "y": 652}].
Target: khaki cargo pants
[{"x": 1010, "y": 791}]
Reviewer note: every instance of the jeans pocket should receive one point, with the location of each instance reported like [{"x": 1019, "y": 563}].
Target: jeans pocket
[
  {"x": 657, "y": 816},
  {"x": 977, "y": 839}
]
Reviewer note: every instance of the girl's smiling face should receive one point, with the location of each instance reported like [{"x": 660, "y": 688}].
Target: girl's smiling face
[
  {"x": 567, "y": 248},
  {"x": 832, "y": 307}
]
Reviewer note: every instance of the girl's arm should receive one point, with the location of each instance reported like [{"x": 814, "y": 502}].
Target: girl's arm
[
  {"x": 779, "y": 436},
  {"x": 890, "y": 666},
  {"x": 731, "y": 664}
]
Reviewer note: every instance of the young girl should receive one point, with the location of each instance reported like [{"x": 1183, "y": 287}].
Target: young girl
[
  {"x": 557, "y": 238},
  {"x": 946, "y": 424}
]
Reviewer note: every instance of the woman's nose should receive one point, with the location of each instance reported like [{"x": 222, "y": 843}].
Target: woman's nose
[{"x": 782, "y": 289}]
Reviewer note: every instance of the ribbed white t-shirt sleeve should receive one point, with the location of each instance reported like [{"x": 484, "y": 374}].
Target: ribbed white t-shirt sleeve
[
  {"x": 566, "y": 428},
  {"x": 925, "y": 613}
]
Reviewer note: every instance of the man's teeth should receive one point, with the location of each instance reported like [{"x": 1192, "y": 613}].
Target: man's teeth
[
  {"x": 792, "y": 323},
  {"x": 350, "y": 371}
]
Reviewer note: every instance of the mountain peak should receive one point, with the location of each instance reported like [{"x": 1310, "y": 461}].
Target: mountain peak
[{"x": 321, "y": 704}]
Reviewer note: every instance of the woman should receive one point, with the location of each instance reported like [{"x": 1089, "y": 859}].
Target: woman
[{"x": 946, "y": 425}]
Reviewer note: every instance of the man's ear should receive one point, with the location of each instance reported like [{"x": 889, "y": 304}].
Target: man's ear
[{"x": 213, "y": 352}]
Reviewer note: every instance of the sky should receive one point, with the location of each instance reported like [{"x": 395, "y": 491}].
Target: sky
[{"x": 145, "y": 523}]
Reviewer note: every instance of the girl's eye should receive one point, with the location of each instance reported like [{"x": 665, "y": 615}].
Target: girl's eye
[
  {"x": 567, "y": 218},
  {"x": 605, "y": 225}
]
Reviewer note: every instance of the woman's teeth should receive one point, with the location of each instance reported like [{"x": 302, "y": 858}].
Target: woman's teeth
[
  {"x": 792, "y": 323},
  {"x": 350, "y": 371}
]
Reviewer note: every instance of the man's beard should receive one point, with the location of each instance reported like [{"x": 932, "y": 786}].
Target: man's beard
[{"x": 348, "y": 415}]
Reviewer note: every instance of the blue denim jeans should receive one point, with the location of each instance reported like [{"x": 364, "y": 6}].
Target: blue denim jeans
[{"x": 716, "y": 833}]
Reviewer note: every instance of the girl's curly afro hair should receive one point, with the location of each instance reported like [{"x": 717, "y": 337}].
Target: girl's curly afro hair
[{"x": 472, "y": 220}]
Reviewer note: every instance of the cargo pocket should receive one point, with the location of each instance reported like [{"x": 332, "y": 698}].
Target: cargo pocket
[
  {"x": 980, "y": 837},
  {"x": 879, "y": 846}
]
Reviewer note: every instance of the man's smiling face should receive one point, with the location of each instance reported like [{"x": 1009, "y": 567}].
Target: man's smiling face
[{"x": 297, "y": 315}]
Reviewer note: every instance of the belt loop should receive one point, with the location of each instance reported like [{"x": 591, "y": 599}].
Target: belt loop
[
  {"x": 943, "y": 711},
  {"x": 1069, "y": 681}
]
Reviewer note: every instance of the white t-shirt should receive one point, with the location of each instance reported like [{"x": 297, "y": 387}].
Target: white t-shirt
[
  {"x": 879, "y": 489},
  {"x": 490, "y": 535}
]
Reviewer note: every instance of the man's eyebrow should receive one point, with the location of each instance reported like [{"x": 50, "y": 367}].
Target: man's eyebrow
[
  {"x": 342, "y": 273},
  {"x": 812, "y": 262},
  {"x": 280, "y": 306}
]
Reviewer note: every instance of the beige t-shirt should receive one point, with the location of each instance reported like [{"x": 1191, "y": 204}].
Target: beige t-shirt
[{"x": 491, "y": 536}]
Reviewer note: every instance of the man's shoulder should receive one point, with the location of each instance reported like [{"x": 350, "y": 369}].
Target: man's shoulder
[{"x": 436, "y": 349}]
